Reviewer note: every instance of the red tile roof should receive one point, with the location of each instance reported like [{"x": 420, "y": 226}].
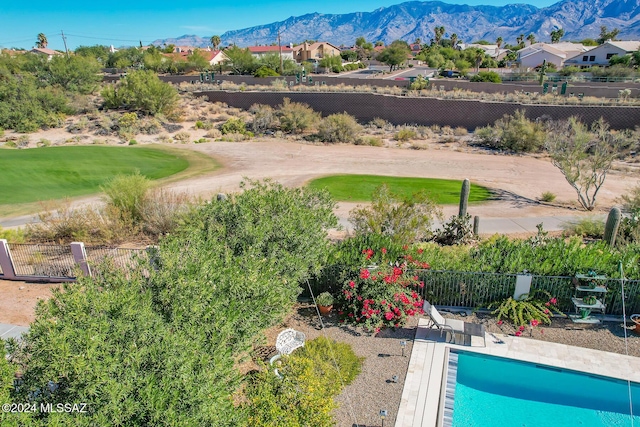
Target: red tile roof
[{"x": 261, "y": 49}]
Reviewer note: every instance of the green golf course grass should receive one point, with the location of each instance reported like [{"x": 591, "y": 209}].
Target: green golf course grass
[
  {"x": 51, "y": 173},
  {"x": 358, "y": 188}
]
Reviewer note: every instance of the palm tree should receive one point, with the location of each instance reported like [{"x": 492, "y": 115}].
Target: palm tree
[
  {"x": 454, "y": 40},
  {"x": 556, "y": 35},
  {"x": 520, "y": 40},
  {"x": 215, "y": 42},
  {"x": 531, "y": 39},
  {"x": 439, "y": 33},
  {"x": 42, "y": 41},
  {"x": 499, "y": 41}
]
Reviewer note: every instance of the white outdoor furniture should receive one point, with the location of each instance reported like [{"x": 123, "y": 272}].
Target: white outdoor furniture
[
  {"x": 453, "y": 326},
  {"x": 288, "y": 340}
]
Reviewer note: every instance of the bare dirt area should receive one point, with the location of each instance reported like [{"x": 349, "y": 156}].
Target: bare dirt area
[{"x": 18, "y": 300}]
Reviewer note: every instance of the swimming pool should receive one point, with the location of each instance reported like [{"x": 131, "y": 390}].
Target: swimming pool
[{"x": 494, "y": 391}]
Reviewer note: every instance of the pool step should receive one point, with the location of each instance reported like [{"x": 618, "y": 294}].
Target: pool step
[{"x": 450, "y": 390}]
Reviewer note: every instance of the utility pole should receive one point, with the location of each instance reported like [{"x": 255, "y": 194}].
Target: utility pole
[
  {"x": 280, "y": 49},
  {"x": 64, "y": 40}
]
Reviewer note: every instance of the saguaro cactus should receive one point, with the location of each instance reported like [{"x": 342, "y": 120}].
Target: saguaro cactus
[
  {"x": 464, "y": 198},
  {"x": 611, "y": 227},
  {"x": 476, "y": 224}
]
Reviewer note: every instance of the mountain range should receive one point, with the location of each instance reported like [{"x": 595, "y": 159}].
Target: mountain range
[{"x": 408, "y": 21}]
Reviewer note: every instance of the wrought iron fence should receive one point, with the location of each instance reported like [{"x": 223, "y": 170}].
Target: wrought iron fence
[
  {"x": 478, "y": 290},
  {"x": 43, "y": 260},
  {"x": 121, "y": 258},
  {"x": 466, "y": 289}
]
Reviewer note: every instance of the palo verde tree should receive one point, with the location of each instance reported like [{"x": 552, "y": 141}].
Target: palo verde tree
[
  {"x": 583, "y": 155},
  {"x": 394, "y": 54},
  {"x": 240, "y": 60},
  {"x": 142, "y": 91}
]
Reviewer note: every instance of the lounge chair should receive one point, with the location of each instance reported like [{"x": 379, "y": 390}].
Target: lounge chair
[{"x": 453, "y": 326}]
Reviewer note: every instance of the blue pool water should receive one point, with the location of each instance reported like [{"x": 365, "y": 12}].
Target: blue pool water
[{"x": 493, "y": 391}]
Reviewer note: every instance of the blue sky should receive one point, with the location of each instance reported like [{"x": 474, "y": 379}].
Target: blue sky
[{"x": 127, "y": 22}]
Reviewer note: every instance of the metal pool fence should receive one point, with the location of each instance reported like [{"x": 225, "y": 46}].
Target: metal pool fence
[{"x": 478, "y": 290}]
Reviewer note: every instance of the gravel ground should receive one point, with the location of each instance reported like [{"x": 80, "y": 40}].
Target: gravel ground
[{"x": 373, "y": 390}]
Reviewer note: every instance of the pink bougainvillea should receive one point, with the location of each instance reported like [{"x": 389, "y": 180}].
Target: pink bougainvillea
[{"x": 385, "y": 295}]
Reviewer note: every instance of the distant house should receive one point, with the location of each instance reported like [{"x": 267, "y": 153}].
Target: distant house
[
  {"x": 557, "y": 54},
  {"x": 415, "y": 48},
  {"x": 490, "y": 49},
  {"x": 49, "y": 53},
  {"x": 600, "y": 55},
  {"x": 259, "y": 51},
  {"x": 318, "y": 50},
  {"x": 213, "y": 57}
]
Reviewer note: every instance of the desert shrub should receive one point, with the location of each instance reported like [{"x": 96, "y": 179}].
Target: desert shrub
[
  {"x": 200, "y": 141},
  {"x": 133, "y": 142},
  {"x": 199, "y": 124},
  {"x": 631, "y": 200},
  {"x": 419, "y": 83},
  {"x": 10, "y": 144},
  {"x": 63, "y": 224},
  {"x": 13, "y": 235},
  {"x": 405, "y": 134},
  {"x": 460, "y": 131},
  {"x": 126, "y": 194},
  {"x": 128, "y": 120},
  {"x": 264, "y": 118},
  {"x": 23, "y": 141},
  {"x": 142, "y": 91},
  {"x": 161, "y": 211},
  {"x": 339, "y": 128},
  {"x": 304, "y": 393},
  {"x": 43, "y": 143},
  {"x": 182, "y": 137},
  {"x": 418, "y": 147},
  {"x": 548, "y": 196},
  {"x": 79, "y": 126},
  {"x": 265, "y": 71},
  {"x": 233, "y": 125},
  {"x": 296, "y": 117},
  {"x": 589, "y": 227},
  {"x": 26, "y": 106},
  {"x": 514, "y": 133},
  {"x": 299, "y": 398},
  {"x": 405, "y": 219},
  {"x": 487, "y": 76},
  {"x": 372, "y": 141},
  {"x": 213, "y": 133},
  {"x": 379, "y": 123},
  {"x": 323, "y": 352}
]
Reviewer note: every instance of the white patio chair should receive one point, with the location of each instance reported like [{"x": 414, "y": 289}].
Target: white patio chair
[{"x": 288, "y": 340}]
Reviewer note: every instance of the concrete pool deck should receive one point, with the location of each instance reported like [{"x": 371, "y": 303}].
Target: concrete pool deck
[{"x": 422, "y": 388}]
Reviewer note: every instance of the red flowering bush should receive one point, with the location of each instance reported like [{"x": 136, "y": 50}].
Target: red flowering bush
[{"x": 381, "y": 296}]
